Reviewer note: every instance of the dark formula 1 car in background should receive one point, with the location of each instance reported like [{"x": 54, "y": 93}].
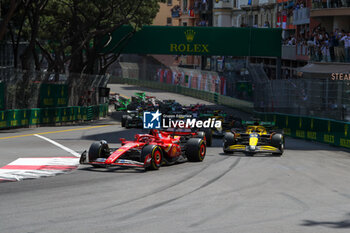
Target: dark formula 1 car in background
[
  {"x": 132, "y": 119},
  {"x": 146, "y": 151},
  {"x": 255, "y": 138},
  {"x": 121, "y": 104},
  {"x": 227, "y": 121}
]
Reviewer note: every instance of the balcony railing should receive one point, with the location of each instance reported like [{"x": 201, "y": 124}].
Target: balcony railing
[
  {"x": 175, "y": 14},
  {"x": 301, "y": 16},
  {"x": 316, "y": 4},
  {"x": 223, "y": 4}
]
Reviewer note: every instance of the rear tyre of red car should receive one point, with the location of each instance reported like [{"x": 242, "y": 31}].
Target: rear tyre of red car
[
  {"x": 195, "y": 149},
  {"x": 98, "y": 150},
  {"x": 156, "y": 156}
]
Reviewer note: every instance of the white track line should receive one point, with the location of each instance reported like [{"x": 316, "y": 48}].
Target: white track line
[{"x": 59, "y": 145}]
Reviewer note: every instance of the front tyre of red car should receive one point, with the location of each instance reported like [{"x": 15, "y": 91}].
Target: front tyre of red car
[
  {"x": 195, "y": 149},
  {"x": 98, "y": 150},
  {"x": 155, "y": 154}
]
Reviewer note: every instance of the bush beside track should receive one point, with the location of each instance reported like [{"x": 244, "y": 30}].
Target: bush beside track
[{"x": 14, "y": 118}]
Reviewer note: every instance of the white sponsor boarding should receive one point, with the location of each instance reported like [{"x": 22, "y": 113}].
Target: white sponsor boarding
[{"x": 32, "y": 168}]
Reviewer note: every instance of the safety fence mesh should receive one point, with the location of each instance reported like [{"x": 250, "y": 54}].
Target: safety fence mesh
[{"x": 22, "y": 88}]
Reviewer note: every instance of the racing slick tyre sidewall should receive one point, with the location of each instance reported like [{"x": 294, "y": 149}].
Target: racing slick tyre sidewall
[
  {"x": 277, "y": 140},
  {"x": 123, "y": 120},
  {"x": 281, "y": 148},
  {"x": 208, "y": 136},
  {"x": 127, "y": 122},
  {"x": 229, "y": 140},
  {"x": 156, "y": 154},
  {"x": 195, "y": 149},
  {"x": 98, "y": 150}
]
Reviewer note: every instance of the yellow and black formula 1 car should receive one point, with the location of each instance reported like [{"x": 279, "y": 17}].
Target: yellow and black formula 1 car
[{"x": 255, "y": 138}]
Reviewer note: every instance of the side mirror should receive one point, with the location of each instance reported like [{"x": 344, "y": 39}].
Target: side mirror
[{"x": 122, "y": 140}]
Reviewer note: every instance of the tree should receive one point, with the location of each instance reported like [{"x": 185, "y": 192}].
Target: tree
[
  {"x": 10, "y": 7},
  {"x": 70, "y": 30}
]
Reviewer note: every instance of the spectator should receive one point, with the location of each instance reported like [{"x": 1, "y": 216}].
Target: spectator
[
  {"x": 346, "y": 40},
  {"x": 331, "y": 46},
  {"x": 341, "y": 39}
]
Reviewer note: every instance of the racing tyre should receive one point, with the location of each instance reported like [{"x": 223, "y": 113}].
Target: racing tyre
[
  {"x": 124, "y": 120},
  {"x": 98, "y": 150},
  {"x": 195, "y": 149},
  {"x": 277, "y": 141},
  {"x": 229, "y": 140},
  {"x": 156, "y": 156},
  {"x": 208, "y": 136},
  {"x": 127, "y": 122}
]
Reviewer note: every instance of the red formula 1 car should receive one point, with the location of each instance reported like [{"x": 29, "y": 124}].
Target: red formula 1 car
[{"x": 147, "y": 151}]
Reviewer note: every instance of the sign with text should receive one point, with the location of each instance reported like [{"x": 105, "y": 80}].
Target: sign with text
[{"x": 195, "y": 41}]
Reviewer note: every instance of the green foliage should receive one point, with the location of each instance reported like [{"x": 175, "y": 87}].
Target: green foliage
[{"x": 68, "y": 30}]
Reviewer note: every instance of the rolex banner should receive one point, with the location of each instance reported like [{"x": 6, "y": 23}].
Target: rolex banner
[
  {"x": 53, "y": 95},
  {"x": 194, "y": 41},
  {"x": 2, "y": 96}
]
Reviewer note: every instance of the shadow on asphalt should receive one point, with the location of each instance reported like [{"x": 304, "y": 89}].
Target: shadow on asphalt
[
  {"x": 113, "y": 137},
  {"x": 113, "y": 169},
  {"x": 258, "y": 155},
  {"x": 331, "y": 224}
]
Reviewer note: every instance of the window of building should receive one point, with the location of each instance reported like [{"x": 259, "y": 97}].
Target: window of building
[
  {"x": 184, "y": 5},
  {"x": 184, "y": 24},
  {"x": 234, "y": 3},
  {"x": 169, "y": 21},
  {"x": 170, "y": 2}
]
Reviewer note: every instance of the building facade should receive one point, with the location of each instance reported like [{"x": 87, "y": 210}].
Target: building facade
[{"x": 164, "y": 16}]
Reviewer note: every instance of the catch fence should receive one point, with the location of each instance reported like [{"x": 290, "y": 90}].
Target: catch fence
[{"x": 32, "y": 89}]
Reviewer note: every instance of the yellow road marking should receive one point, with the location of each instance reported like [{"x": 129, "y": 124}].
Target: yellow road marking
[{"x": 58, "y": 131}]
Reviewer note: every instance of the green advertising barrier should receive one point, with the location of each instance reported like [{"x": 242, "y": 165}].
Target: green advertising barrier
[
  {"x": 77, "y": 113},
  {"x": 37, "y": 116},
  {"x": 3, "y": 123},
  {"x": 24, "y": 116},
  {"x": 2, "y": 95},
  {"x": 311, "y": 128},
  {"x": 65, "y": 112},
  {"x": 34, "y": 116},
  {"x": 57, "y": 115},
  {"x": 53, "y": 95},
  {"x": 103, "y": 110},
  {"x": 89, "y": 113},
  {"x": 84, "y": 113},
  {"x": 13, "y": 118},
  {"x": 47, "y": 116}
]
